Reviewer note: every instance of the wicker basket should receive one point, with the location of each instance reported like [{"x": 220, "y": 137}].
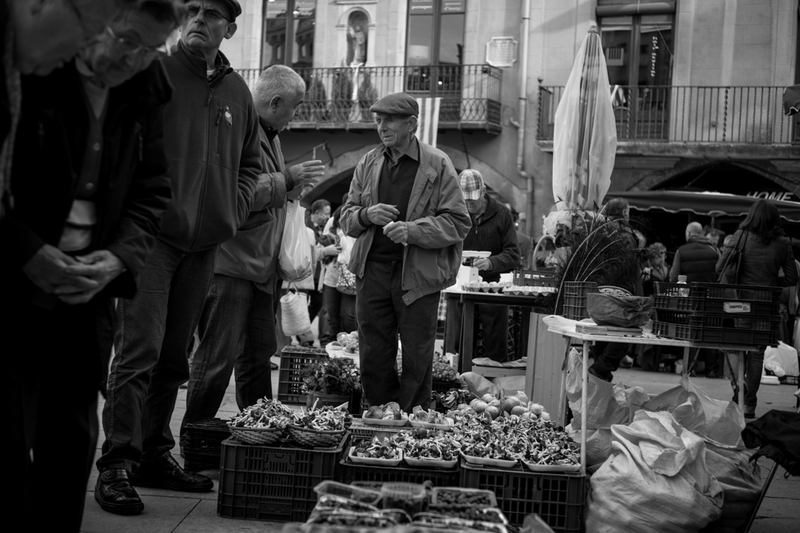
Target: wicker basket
[
  {"x": 314, "y": 438},
  {"x": 258, "y": 435}
]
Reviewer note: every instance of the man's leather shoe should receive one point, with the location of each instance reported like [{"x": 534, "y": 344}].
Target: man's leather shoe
[
  {"x": 166, "y": 473},
  {"x": 115, "y": 494}
]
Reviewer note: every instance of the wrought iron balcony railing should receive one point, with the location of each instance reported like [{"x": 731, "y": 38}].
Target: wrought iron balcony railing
[
  {"x": 341, "y": 97},
  {"x": 683, "y": 114}
]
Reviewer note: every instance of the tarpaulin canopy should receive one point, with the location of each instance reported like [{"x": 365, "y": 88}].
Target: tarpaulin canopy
[{"x": 702, "y": 203}]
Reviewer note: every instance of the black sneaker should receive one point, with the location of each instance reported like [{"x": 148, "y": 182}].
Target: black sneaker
[
  {"x": 165, "y": 473},
  {"x": 115, "y": 494}
]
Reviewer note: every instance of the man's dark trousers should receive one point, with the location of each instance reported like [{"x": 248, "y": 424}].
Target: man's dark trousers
[{"x": 382, "y": 313}]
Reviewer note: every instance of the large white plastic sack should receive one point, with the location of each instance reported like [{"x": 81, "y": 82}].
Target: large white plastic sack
[
  {"x": 718, "y": 421},
  {"x": 785, "y": 357},
  {"x": 606, "y": 405},
  {"x": 656, "y": 480}
]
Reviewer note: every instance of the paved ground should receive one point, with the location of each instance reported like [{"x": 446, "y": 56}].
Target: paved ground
[{"x": 168, "y": 512}]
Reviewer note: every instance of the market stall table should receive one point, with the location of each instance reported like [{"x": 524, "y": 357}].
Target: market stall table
[
  {"x": 565, "y": 327},
  {"x": 530, "y": 306}
]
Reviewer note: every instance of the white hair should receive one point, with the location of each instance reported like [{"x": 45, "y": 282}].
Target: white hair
[{"x": 277, "y": 80}]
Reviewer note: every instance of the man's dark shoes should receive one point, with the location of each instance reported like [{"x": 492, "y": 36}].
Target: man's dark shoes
[
  {"x": 166, "y": 473},
  {"x": 115, "y": 494}
]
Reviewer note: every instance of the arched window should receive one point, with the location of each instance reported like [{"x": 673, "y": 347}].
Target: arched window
[{"x": 357, "y": 38}]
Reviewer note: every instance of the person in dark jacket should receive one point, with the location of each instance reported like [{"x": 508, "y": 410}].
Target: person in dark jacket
[
  {"x": 492, "y": 231},
  {"x": 696, "y": 259},
  {"x": 38, "y": 36},
  {"x": 90, "y": 185},
  {"x": 212, "y": 147},
  {"x": 407, "y": 214},
  {"x": 765, "y": 252},
  {"x": 237, "y": 328}
]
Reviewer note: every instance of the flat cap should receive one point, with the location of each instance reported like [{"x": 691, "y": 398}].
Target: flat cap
[
  {"x": 234, "y": 8},
  {"x": 396, "y": 104}
]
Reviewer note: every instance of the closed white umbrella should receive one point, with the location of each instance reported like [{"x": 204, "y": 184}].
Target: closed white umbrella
[{"x": 585, "y": 137}]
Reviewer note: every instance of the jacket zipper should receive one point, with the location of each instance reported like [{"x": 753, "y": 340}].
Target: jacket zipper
[{"x": 203, "y": 188}]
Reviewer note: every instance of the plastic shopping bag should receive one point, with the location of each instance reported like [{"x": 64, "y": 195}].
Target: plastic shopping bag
[
  {"x": 295, "y": 260},
  {"x": 782, "y": 360},
  {"x": 718, "y": 421},
  {"x": 606, "y": 405},
  {"x": 656, "y": 480}
]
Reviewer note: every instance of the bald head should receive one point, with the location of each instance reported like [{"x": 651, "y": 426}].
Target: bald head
[{"x": 694, "y": 228}]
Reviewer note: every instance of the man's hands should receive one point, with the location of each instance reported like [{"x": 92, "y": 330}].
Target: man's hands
[
  {"x": 100, "y": 266},
  {"x": 482, "y": 263},
  {"x": 306, "y": 174},
  {"x": 47, "y": 270},
  {"x": 397, "y": 232},
  {"x": 382, "y": 214},
  {"x": 75, "y": 280}
]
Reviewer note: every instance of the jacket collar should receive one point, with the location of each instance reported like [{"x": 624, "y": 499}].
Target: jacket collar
[{"x": 197, "y": 64}]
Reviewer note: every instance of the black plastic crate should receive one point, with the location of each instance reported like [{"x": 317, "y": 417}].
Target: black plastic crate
[
  {"x": 559, "y": 499},
  {"x": 673, "y": 317},
  {"x": 351, "y": 472},
  {"x": 202, "y": 443},
  {"x": 273, "y": 483},
  {"x": 740, "y": 300},
  {"x": 720, "y": 329},
  {"x": 290, "y": 382},
  {"x": 573, "y": 298}
]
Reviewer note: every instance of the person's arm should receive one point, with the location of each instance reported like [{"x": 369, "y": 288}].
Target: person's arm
[
  {"x": 351, "y": 219},
  {"x": 509, "y": 258},
  {"x": 451, "y": 222},
  {"x": 249, "y": 166},
  {"x": 790, "y": 274},
  {"x": 675, "y": 271}
]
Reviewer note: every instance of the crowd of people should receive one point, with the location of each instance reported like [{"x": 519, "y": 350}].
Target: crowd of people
[
  {"x": 145, "y": 195},
  {"x": 144, "y": 198}
]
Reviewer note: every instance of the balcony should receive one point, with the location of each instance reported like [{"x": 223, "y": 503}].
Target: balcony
[
  {"x": 673, "y": 118},
  {"x": 339, "y": 98}
]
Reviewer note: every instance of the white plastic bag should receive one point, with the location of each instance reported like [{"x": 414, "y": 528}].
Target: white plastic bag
[
  {"x": 656, "y": 480},
  {"x": 295, "y": 261},
  {"x": 294, "y": 313},
  {"x": 782, "y": 359}
]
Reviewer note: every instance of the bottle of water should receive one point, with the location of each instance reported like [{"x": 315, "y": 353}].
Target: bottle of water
[{"x": 683, "y": 292}]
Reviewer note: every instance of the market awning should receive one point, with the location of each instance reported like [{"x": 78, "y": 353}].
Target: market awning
[{"x": 701, "y": 203}]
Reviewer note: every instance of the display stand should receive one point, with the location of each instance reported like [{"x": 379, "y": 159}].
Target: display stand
[{"x": 588, "y": 339}]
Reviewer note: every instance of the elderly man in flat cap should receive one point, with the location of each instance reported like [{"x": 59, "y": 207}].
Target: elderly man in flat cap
[
  {"x": 407, "y": 213},
  {"x": 212, "y": 145}
]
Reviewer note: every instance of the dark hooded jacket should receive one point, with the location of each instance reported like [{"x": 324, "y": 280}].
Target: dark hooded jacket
[{"x": 212, "y": 145}]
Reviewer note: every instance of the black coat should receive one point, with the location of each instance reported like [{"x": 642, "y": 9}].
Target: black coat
[{"x": 134, "y": 185}]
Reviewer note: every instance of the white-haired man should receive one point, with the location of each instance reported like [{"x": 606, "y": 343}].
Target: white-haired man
[{"x": 237, "y": 327}]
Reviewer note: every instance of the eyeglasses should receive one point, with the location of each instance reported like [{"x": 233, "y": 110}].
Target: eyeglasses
[
  {"x": 132, "y": 48},
  {"x": 210, "y": 15}
]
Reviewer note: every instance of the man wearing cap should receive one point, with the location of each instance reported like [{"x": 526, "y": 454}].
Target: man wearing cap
[
  {"x": 492, "y": 231},
  {"x": 408, "y": 216},
  {"x": 211, "y": 141}
]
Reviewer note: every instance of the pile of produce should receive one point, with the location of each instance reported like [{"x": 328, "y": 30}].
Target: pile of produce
[
  {"x": 512, "y": 405},
  {"x": 376, "y": 449},
  {"x": 427, "y": 444},
  {"x": 442, "y": 371},
  {"x": 325, "y": 418},
  {"x": 452, "y": 398},
  {"x": 430, "y": 416},
  {"x": 388, "y": 411},
  {"x": 348, "y": 341},
  {"x": 265, "y": 414}
]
